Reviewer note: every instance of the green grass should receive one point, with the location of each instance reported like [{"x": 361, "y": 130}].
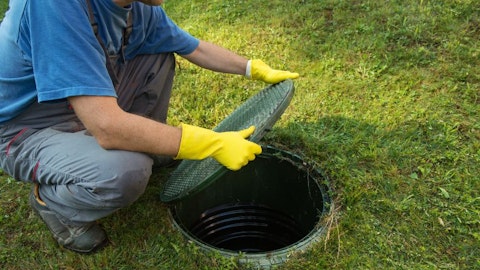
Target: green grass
[{"x": 388, "y": 106}]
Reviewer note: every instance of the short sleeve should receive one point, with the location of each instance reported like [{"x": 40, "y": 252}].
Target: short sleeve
[
  {"x": 67, "y": 59},
  {"x": 155, "y": 32}
]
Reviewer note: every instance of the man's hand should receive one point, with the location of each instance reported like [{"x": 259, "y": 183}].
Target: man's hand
[
  {"x": 261, "y": 71},
  {"x": 231, "y": 149}
]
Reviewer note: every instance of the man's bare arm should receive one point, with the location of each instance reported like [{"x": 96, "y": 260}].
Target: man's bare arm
[
  {"x": 216, "y": 58},
  {"x": 114, "y": 128}
]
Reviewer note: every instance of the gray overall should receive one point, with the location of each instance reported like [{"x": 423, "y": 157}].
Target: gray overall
[{"x": 80, "y": 181}]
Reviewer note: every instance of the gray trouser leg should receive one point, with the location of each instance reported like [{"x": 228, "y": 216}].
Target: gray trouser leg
[{"x": 79, "y": 180}]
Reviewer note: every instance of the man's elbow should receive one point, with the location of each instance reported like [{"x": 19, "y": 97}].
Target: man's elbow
[
  {"x": 104, "y": 136},
  {"x": 105, "y": 142}
]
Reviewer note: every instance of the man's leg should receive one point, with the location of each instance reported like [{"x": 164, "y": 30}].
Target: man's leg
[
  {"x": 78, "y": 181},
  {"x": 83, "y": 182},
  {"x": 146, "y": 84}
]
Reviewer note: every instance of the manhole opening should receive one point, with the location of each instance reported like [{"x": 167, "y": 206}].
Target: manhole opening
[
  {"x": 247, "y": 227},
  {"x": 276, "y": 202}
]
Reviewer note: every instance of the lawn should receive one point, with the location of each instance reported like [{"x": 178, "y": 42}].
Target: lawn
[{"x": 387, "y": 105}]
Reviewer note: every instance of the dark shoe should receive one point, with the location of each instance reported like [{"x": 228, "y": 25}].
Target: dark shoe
[{"x": 85, "y": 238}]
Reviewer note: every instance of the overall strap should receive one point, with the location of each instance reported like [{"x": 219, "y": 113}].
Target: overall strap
[{"x": 126, "y": 35}]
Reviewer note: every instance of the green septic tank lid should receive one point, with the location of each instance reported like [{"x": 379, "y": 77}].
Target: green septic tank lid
[{"x": 262, "y": 111}]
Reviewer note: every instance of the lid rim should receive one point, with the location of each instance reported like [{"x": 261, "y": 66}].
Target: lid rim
[{"x": 263, "y": 122}]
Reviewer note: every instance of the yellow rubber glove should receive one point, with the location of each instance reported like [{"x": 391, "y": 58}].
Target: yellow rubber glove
[
  {"x": 258, "y": 70},
  {"x": 231, "y": 149}
]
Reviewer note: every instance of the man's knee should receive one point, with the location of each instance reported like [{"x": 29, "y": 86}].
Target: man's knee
[
  {"x": 117, "y": 179},
  {"x": 92, "y": 200},
  {"x": 130, "y": 186},
  {"x": 126, "y": 181}
]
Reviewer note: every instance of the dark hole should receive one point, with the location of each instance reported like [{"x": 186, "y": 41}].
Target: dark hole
[
  {"x": 246, "y": 227},
  {"x": 273, "y": 203}
]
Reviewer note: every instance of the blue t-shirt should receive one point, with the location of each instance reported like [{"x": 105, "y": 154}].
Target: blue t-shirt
[{"x": 48, "y": 50}]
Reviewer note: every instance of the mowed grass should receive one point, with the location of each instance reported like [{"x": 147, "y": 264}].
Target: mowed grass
[{"x": 387, "y": 105}]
